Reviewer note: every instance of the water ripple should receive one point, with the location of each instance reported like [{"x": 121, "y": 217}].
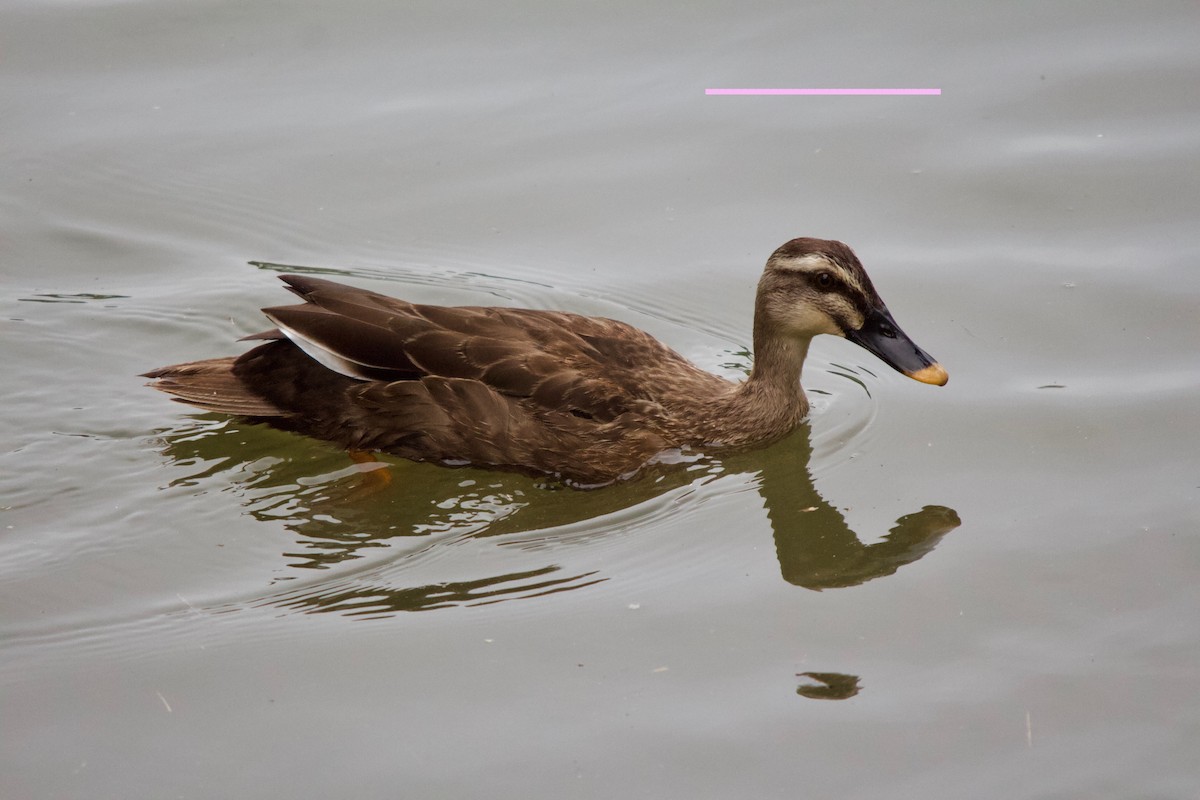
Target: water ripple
[{"x": 439, "y": 538}]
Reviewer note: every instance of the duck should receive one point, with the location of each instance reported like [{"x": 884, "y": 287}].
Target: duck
[{"x": 587, "y": 401}]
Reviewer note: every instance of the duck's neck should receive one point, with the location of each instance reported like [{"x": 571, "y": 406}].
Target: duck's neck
[{"x": 770, "y": 403}]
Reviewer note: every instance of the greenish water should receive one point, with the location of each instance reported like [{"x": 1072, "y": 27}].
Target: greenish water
[{"x": 983, "y": 590}]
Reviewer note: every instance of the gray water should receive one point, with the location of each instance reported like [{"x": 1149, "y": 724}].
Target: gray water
[{"x": 987, "y": 590}]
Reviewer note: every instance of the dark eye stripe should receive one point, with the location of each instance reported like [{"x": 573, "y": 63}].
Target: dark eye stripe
[{"x": 839, "y": 285}]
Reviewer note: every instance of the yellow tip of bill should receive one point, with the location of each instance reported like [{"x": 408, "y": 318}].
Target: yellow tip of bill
[{"x": 933, "y": 374}]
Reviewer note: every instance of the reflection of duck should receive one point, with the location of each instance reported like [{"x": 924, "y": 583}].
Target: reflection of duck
[
  {"x": 541, "y": 537},
  {"x": 583, "y": 398},
  {"x": 816, "y": 547}
]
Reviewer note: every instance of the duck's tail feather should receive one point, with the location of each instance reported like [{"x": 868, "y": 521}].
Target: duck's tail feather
[{"x": 212, "y": 386}]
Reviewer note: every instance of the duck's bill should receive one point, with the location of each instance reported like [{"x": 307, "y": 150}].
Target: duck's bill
[{"x": 882, "y": 336}]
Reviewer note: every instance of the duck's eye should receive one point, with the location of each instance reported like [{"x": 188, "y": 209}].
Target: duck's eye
[{"x": 824, "y": 280}]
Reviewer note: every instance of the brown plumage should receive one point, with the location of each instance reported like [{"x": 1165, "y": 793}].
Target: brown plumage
[{"x": 587, "y": 399}]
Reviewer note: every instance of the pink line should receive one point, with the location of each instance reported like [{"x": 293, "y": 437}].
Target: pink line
[{"x": 823, "y": 91}]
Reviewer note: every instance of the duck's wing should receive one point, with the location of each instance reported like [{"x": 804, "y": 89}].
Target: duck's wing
[
  {"x": 345, "y": 328},
  {"x": 589, "y": 366}
]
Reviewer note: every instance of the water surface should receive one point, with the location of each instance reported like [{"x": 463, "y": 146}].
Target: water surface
[{"x": 985, "y": 590}]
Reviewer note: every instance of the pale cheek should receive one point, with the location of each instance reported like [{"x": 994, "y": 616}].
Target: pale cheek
[{"x": 807, "y": 321}]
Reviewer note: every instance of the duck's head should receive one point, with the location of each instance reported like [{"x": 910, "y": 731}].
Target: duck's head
[{"x": 813, "y": 286}]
